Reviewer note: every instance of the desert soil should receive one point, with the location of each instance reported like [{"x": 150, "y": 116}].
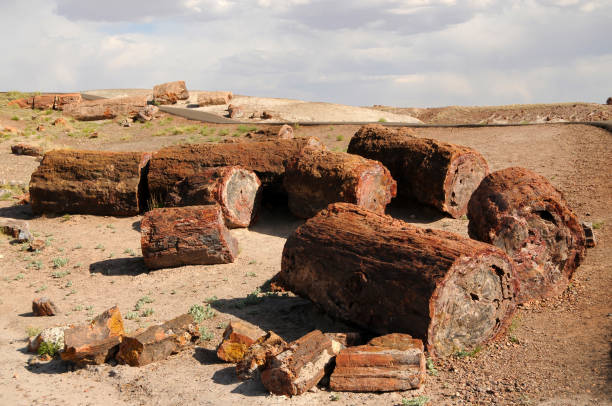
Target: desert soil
[{"x": 556, "y": 353}]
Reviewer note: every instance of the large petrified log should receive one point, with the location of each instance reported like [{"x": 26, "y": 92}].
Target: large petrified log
[
  {"x": 254, "y": 360},
  {"x": 522, "y": 213},
  {"x": 103, "y": 109},
  {"x": 389, "y": 276},
  {"x": 193, "y": 235},
  {"x": 299, "y": 367},
  {"x": 236, "y": 190},
  {"x": 158, "y": 342},
  {"x": 316, "y": 178},
  {"x": 89, "y": 182},
  {"x": 267, "y": 159},
  {"x": 432, "y": 172},
  {"x": 170, "y": 93},
  {"x": 237, "y": 338},
  {"x": 48, "y": 101},
  {"x": 389, "y": 363},
  {"x": 214, "y": 98},
  {"x": 95, "y": 342}
]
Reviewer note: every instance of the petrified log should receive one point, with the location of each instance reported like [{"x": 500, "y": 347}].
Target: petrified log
[
  {"x": 237, "y": 339},
  {"x": 522, "y": 213},
  {"x": 267, "y": 159},
  {"x": 25, "y": 102},
  {"x": 316, "y": 178},
  {"x": 193, "y": 235},
  {"x": 44, "y": 307},
  {"x": 236, "y": 190},
  {"x": 254, "y": 360},
  {"x": 26, "y": 149},
  {"x": 64, "y": 99},
  {"x": 389, "y": 363},
  {"x": 214, "y": 98},
  {"x": 389, "y": 276},
  {"x": 44, "y": 101},
  {"x": 95, "y": 342},
  {"x": 299, "y": 367},
  {"x": 432, "y": 172},
  {"x": 158, "y": 342},
  {"x": 89, "y": 182},
  {"x": 170, "y": 93},
  {"x": 104, "y": 109}
]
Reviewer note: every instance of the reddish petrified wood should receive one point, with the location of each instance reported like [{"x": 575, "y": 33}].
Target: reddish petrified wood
[
  {"x": 44, "y": 307},
  {"x": 389, "y": 276},
  {"x": 158, "y": 342},
  {"x": 64, "y": 99},
  {"x": 299, "y": 367},
  {"x": 95, "y": 342},
  {"x": 103, "y": 109},
  {"x": 237, "y": 339},
  {"x": 193, "y": 235},
  {"x": 26, "y": 149},
  {"x": 254, "y": 360},
  {"x": 432, "y": 172},
  {"x": 318, "y": 177},
  {"x": 267, "y": 159},
  {"x": 389, "y": 363},
  {"x": 236, "y": 190},
  {"x": 522, "y": 213},
  {"x": 44, "y": 101},
  {"x": 88, "y": 182},
  {"x": 25, "y": 102},
  {"x": 170, "y": 93}
]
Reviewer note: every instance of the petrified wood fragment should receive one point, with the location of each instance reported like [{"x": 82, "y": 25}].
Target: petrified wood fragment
[
  {"x": 170, "y": 93},
  {"x": 520, "y": 212},
  {"x": 318, "y": 177},
  {"x": 193, "y": 235},
  {"x": 299, "y": 367},
  {"x": 88, "y": 182},
  {"x": 237, "y": 339},
  {"x": 95, "y": 342},
  {"x": 158, "y": 342},
  {"x": 26, "y": 149},
  {"x": 389, "y": 363},
  {"x": 44, "y": 307},
  {"x": 214, "y": 98},
  {"x": 432, "y": 172},
  {"x": 103, "y": 109},
  {"x": 389, "y": 276},
  {"x": 254, "y": 360},
  {"x": 267, "y": 159},
  {"x": 236, "y": 190}
]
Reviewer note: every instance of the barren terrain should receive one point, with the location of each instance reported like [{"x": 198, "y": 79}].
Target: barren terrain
[{"x": 557, "y": 352}]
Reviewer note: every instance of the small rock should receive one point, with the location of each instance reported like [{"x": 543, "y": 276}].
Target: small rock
[
  {"x": 60, "y": 121},
  {"x": 255, "y": 359},
  {"x": 44, "y": 307},
  {"x": 18, "y": 229},
  {"x": 9, "y": 129},
  {"x": 609, "y": 101},
  {"x": 235, "y": 111},
  {"x": 26, "y": 149},
  {"x": 285, "y": 132},
  {"x": 125, "y": 123},
  {"x": 148, "y": 113},
  {"x": 266, "y": 116},
  {"x": 93, "y": 135},
  {"x": 587, "y": 226},
  {"x": 37, "y": 245},
  {"x": 40, "y": 128},
  {"x": 237, "y": 339}
]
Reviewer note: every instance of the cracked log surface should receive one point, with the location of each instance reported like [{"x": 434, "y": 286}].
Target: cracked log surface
[
  {"x": 432, "y": 172},
  {"x": 318, "y": 177},
  {"x": 254, "y": 360},
  {"x": 266, "y": 158},
  {"x": 88, "y": 182},
  {"x": 192, "y": 235},
  {"x": 389, "y": 276},
  {"x": 237, "y": 338},
  {"x": 104, "y": 109},
  {"x": 236, "y": 190},
  {"x": 520, "y": 212}
]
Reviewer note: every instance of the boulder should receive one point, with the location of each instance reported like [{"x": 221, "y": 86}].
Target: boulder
[
  {"x": 609, "y": 101},
  {"x": 64, "y": 99},
  {"x": 170, "y": 93},
  {"x": 214, "y": 98},
  {"x": 237, "y": 339}
]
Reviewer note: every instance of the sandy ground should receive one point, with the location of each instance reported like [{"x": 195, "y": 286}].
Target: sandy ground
[{"x": 559, "y": 353}]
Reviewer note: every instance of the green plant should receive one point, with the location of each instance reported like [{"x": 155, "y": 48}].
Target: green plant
[
  {"x": 155, "y": 202},
  {"x": 131, "y": 315},
  {"x": 223, "y": 132},
  {"x": 148, "y": 312},
  {"x": 416, "y": 401},
  {"x": 41, "y": 289},
  {"x": 112, "y": 227},
  {"x": 78, "y": 247},
  {"x": 251, "y": 299},
  {"x": 205, "y": 334},
  {"x": 334, "y": 397},
  {"x": 19, "y": 277},
  {"x": 242, "y": 129},
  {"x": 142, "y": 301},
  {"x": 77, "y": 308},
  {"x": 60, "y": 274},
  {"x": 65, "y": 217},
  {"x": 130, "y": 252},
  {"x": 464, "y": 353},
  {"x": 200, "y": 313},
  {"x": 339, "y": 138},
  {"x": 211, "y": 299},
  {"x": 251, "y": 274},
  {"x": 464, "y": 217},
  {"x": 15, "y": 118},
  {"x": 431, "y": 368},
  {"x": 33, "y": 331},
  {"x": 100, "y": 247},
  {"x": 598, "y": 225},
  {"x": 382, "y": 120},
  {"x": 223, "y": 325},
  {"x": 68, "y": 284},
  {"x": 60, "y": 262},
  {"x": 48, "y": 348}
]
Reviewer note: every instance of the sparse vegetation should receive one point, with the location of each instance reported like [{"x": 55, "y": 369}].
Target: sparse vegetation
[
  {"x": 33, "y": 331},
  {"x": 131, "y": 315},
  {"x": 382, "y": 120},
  {"x": 416, "y": 401},
  {"x": 598, "y": 225},
  {"x": 142, "y": 301},
  {"x": 472, "y": 353},
  {"x": 340, "y": 138},
  {"x": 60, "y": 262},
  {"x": 205, "y": 334},
  {"x": 48, "y": 348},
  {"x": 431, "y": 367},
  {"x": 147, "y": 312},
  {"x": 201, "y": 313}
]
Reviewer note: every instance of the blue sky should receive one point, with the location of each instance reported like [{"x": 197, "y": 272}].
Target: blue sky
[{"x": 394, "y": 52}]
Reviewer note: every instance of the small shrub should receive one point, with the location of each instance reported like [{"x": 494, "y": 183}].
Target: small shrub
[
  {"x": 48, "y": 348},
  {"x": 417, "y": 401},
  {"x": 33, "y": 331},
  {"x": 60, "y": 262},
  {"x": 148, "y": 312},
  {"x": 77, "y": 308},
  {"x": 130, "y": 252},
  {"x": 205, "y": 334},
  {"x": 131, "y": 315},
  {"x": 201, "y": 313},
  {"x": 597, "y": 226},
  {"x": 382, "y": 120},
  {"x": 243, "y": 129},
  {"x": 464, "y": 353},
  {"x": 60, "y": 274},
  {"x": 340, "y": 138},
  {"x": 431, "y": 368},
  {"x": 334, "y": 397},
  {"x": 142, "y": 301},
  {"x": 19, "y": 277},
  {"x": 15, "y": 118}
]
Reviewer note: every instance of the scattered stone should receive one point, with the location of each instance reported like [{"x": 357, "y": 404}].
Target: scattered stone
[
  {"x": 285, "y": 132},
  {"x": 254, "y": 360},
  {"x": 299, "y": 367},
  {"x": 44, "y": 307},
  {"x": 589, "y": 235},
  {"x": 18, "y": 229},
  {"x": 609, "y": 101},
  {"x": 214, "y": 98},
  {"x": 266, "y": 115},
  {"x": 350, "y": 339},
  {"x": 10, "y": 129},
  {"x": 26, "y": 149},
  {"x": 125, "y": 123},
  {"x": 60, "y": 121},
  {"x": 148, "y": 113},
  {"x": 170, "y": 93},
  {"x": 37, "y": 245},
  {"x": 237, "y": 339},
  {"x": 40, "y": 128},
  {"x": 53, "y": 335},
  {"x": 104, "y": 109},
  {"x": 96, "y": 342},
  {"x": 393, "y": 362},
  {"x": 235, "y": 111}
]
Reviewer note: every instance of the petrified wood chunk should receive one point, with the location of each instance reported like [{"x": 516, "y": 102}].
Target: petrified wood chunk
[
  {"x": 103, "y": 109},
  {"x": 389, "y": 276},
  {"x": 193, "y": 235},
  {"x": 64, "y": 99},
  {"x": 95, "y": 342},
  {"x": 389, "y": 363},
  {"x": 170, "y": 93},
  {"x": 318, "y": 177},
  {"x": 214, "y": 98},
  {"x": 237, "y": 339},
  {"x": 44, "y": 307},
  {"x": 267, "y": 159},
  {"x": 52, "y": 335},
  {"x": 432, "y": 172},
  {"x": 520, "y": 212},
  {"x": 236, "y": 190},
  {"x": 88, "y": 182},
  {"x": 299, "y": 367},
  {"x": 254, "y": 360},
  {"x": 18, "y": 229},
  {"x": 26, "y": 149},
  {"x": 44, "y": 101},
  {"x": 158, "y": 342},
  {"x": 25, "y": 102}
]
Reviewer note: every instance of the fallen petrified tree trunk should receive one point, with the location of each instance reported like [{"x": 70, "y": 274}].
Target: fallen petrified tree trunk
[
  {"x": 267, "y": 159},
  {"x": 318, "y": 177},
  {"x": 170, "y": 93},
  {"x": 158, "y": 342},
  {"x": 236, "y": 190},
  {"x": 389, "y": 363},
  {"x": 193, "y": 235},
  {"x": 299, "y": 367},
  {"x": 389, "y": 276},
  {"x": 237, "y": 338},
  {"x": 522, "y": 213},
  {"x": 254, "y": 359},
  {"x": 88, "y": 182},
  {"x": 104, "y": 109},
  {"x": 432, "y": 172},
  {"x": 95, "y": 342}
]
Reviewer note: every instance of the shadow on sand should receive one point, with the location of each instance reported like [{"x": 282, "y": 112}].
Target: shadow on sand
[{"x": 119, "y": 266}]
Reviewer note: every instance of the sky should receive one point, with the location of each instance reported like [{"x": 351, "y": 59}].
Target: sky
[{"x": 408, "y": 53}]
